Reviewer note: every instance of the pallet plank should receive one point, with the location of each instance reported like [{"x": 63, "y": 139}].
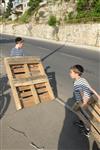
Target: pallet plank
[
  {"x": 28, "y": 102},
  {"x": 93, "y": 112},
  {"x": 25, "y": 94},
  {"x": 23, "y": 88},
  {"x": 96, "y": 108},
  {"x": 15, "y": 94},
  {"x": 29, "y": 81},
  {"x": 22, "y": 60},
  {"x": 36, "y": 98},
  {"x": 44, "y": 97}
]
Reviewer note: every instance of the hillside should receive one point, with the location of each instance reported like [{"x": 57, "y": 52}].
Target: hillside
[{"x": 56, "y": 12}]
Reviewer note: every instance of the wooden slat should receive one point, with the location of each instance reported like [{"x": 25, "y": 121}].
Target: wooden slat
[
  {"x": 36, "y": 98},
  {"x": 15, "y": 94},
  {"x": 27, "y": 72},
  {"x": 42, "y": 90},
  {"x": 95, "y": 101},
  {"x": 35, "y": 72},
  {"x": 22, "y": 60},
  {"x": 40, "y": 85},
  {"x": 45, "y": 97},
  {"x": 95, "y": 134},
  {"x": 49, "y": 90},
  {"x": 93, "y": 112},
  {"x": 91, "y": 119},
  {"x": 33, "y": 66},
  {"x": 28, "y": 102},
  {"x": 25, "y": 94},
  {"x": 18, "y": 70},
  {"x": 94, "y": 125},
  {"x": 22, "y": 88},
  {"x": 16, "y": 66},
  {"x": 96, "y": 108},
  {"x": 29, "y": 81},
  {"x": 41, "y": 69},
  {"x": 20, "y": 76}
]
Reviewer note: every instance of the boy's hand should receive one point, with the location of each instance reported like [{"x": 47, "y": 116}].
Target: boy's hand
[{"x": 85, "y": 103}]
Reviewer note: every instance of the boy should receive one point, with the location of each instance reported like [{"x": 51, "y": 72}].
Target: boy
[
  {"x": 83, "y": 92},
  {"x": 17, "y": 50}
]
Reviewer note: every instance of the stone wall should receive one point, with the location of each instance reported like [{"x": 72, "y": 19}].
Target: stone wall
[{"x": 81, "y": 34}]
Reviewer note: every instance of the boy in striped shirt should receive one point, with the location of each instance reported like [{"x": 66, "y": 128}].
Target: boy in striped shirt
[
  {"x": 18, "y": 49},
  {"x": 83, "y": 92}
]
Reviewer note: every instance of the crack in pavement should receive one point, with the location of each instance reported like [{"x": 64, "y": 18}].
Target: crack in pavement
[{"x": 28, "y": 138}]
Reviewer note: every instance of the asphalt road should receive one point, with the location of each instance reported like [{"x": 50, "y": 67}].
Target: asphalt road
[{"x": 48, "y": 124}]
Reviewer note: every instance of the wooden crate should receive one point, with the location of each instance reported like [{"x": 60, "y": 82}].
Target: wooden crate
[
  {"x": 91, "y": 116},
  {"x": 28, "y": 81}
]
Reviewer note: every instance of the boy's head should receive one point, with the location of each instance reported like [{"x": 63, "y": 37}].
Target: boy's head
[
  {"x": 19, "y": 42},
  {"x": 76, "y": 71}
]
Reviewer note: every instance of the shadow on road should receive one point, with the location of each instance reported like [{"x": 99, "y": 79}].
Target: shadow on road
[
  {"x": 4, "y": 95},
  {"x": 4, "y": 41},
  {"x": 52, "y": 80},
  {"x": 70, "y": 137},
  {"x": 95, "y": 146},
  {"x": 73, "y": 118},
  {"x": 54, "y": 51}
]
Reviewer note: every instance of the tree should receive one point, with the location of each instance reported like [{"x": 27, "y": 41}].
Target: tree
[
  {"x": 33, "y": 4},
  {"x": 8, "y": 9}
]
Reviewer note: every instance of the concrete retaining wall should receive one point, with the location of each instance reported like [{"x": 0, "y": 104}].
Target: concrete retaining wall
[{"x": 81, "y": 34}]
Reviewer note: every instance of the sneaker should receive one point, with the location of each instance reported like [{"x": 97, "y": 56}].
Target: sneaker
[
  {"x": 86, "y": 132},
  {"x": 79, "y": 124}
]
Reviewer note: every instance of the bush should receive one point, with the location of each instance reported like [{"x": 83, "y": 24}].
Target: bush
[
  {"x": 33, "y": 4},
  {"x": 52, "y": 20},
  {"x": 25, "y": 18},
  {"x": 70, "y": 15},
  {"x": 82, "y": 5},
  {"x": 97, "y": 7}
]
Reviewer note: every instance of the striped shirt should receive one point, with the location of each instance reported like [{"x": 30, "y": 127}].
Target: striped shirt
[
  {"x": 82, "y": 89},
  {"x": 16, "y": 52}
]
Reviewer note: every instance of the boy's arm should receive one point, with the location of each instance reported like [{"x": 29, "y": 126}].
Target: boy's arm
[{"x": 86, "y": 99}]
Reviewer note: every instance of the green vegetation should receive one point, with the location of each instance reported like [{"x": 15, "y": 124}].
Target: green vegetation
[
  {"x": 33, "y": 7},
  {"x": 25, "y": 18},
  {"x": 33, "y": 4},
  {"x": 87, "y": 10},
  {"x": 52, "y": 21},
  {"x": 8, "y": 9}
]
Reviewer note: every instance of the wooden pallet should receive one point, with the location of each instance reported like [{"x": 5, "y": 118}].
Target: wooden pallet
[
  {"x": 28, "y": 81},
  {"x": 92, "y": 116}
]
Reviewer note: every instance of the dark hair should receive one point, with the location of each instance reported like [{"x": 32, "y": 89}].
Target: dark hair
[
  {"x": 78, "y": 69},
  {"x": 18, "y": 39}
]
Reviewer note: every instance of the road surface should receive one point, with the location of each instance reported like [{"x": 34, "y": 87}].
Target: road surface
[{"x": 48, "y": 125}]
